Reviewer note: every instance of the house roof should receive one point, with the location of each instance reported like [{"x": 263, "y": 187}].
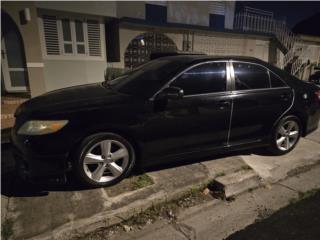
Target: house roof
[{"x": 126, "y": 21}]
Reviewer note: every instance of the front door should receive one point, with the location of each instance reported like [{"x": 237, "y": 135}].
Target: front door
[
  {"x": 197, "y": 122},
  {"x": 14, "y": 70}
]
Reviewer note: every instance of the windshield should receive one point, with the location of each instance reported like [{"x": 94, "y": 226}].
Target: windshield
[{"x": 146, "y": 79}]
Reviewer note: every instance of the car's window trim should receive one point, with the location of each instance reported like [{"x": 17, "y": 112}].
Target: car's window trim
[
  {"x": 191, "y": 67},
  {"x": 255, "y": 89}
]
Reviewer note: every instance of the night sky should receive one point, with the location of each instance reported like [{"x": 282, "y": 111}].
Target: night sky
[{"x": 293, "y": 12}]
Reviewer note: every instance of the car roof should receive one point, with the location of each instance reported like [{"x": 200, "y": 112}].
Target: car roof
[
  {"x": 194, "y": 59},
  {"x": 203, "y": 58}
]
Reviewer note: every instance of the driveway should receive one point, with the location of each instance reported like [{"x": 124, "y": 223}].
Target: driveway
[{"x": 58, "y": 212}]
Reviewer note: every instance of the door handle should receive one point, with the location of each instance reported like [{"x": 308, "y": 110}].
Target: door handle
[
  {"x": 224, "y": 104},
  {"x": 285, "y": 96}
]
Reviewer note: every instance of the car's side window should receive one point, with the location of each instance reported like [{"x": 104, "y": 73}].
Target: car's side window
[
  {"x": 276, "y": 81},
  {"x": 250, "y": 76},
  {"x": 205, "y": 78}
]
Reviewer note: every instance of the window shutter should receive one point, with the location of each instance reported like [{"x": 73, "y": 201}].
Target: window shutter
[
  {"x": 94, "y": 38},
  {"x": 51, "y": 35},
  {"x": 217, "y": 7}
]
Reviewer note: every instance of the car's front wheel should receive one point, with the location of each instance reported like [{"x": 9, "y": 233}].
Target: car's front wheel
[
  {"x": 285, "y": 136},
  {"x": 103, "y": 159}
]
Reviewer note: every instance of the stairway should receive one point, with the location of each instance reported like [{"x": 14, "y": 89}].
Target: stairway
[{"x": 296, "y": 53}]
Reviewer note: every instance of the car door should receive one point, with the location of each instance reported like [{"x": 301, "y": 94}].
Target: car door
[
  {"x": 199, "y": 120},
  {"x": 259, "y": 98}
]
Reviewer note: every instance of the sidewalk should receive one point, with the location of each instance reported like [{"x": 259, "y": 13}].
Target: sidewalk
[
  {"x": 217, "y": 220},
  {"x": 64, "y": 211}
]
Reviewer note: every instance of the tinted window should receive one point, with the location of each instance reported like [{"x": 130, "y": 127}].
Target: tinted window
[
  {"x": 148, "y": 78},
  {"x": 250, "y": 76},
  {"x": 206, "y": 78},
  {"x": 276, "y": 81}
]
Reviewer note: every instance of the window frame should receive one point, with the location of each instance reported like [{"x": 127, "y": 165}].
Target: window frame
[
  {"x": 75, "y": 55},
  {"x": 228, "y": 80},
  {"x": 233, "y": 81}
]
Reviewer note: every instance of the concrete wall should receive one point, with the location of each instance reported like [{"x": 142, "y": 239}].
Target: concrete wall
[
  {"x": 64, "y": 73},
  {"x": 133, "y": 9},
  {"x": 101, "y": 8},
  {"x": 194, "y": 13},
  {"x": 227, "y": 44},
  {"x": 229, "y": 16}
]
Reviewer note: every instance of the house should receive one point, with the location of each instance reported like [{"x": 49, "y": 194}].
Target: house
[{"x": 51, "y": 45}]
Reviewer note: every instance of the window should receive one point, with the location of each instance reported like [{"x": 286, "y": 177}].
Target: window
[
  {"x": 276, "y": 81},
  {"x": 206, "y": 78},
  {"x": 72, "y": 37},
  {"x": 80, "y": 37},
  {"x": 67, "y": 41},
  {"x": 250, "y": 76},
  {"x": 156, "y": 13}
]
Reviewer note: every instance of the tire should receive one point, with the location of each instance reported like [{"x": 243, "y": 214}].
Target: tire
[
  {"x": 285, "y": 135},
  {"x": 103, "y": 159}
]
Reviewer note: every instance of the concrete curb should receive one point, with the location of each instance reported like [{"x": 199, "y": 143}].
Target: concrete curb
[{"x": 158, "y": 194}]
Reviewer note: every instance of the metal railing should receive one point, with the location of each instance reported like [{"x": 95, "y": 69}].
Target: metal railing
[{"x": 249, "y": 22}]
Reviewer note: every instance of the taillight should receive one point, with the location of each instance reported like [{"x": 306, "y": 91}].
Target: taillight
[{"x": 317, "y": 95}]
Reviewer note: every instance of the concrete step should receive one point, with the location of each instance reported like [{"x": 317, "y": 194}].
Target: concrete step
[{"x": 236, "y": 183}]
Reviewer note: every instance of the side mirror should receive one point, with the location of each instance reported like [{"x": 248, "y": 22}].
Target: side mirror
[{"x": 172, "y": 93}]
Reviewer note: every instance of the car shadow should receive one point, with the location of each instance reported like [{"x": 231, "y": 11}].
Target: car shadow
[{"x": 13, "y": 186}]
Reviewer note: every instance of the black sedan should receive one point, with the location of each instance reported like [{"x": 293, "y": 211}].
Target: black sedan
[{"x": 170, "y": 108}]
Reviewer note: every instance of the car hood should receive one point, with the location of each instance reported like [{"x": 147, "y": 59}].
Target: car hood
[{"x": 73, "y": 99}]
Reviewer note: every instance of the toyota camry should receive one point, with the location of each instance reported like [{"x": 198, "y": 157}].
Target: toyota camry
[{"x": 169, "y": 109}]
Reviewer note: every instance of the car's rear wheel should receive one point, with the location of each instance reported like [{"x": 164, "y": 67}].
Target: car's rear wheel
[
  {"x": 103, "y": 159},
  {"x": 286, "y": 135}
]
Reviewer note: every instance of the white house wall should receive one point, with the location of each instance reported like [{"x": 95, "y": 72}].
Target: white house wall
[
  {"x": 194, "y": 13},
  {"x": 65, "y": 73},
  {"x": 222, "y": 45},
  {"x": 229, "y": 14},
  {"x": 132, "y": 9},
  {"x": 101, "y": 8}
]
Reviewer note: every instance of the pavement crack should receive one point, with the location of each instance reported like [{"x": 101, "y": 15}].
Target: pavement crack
[
  {"x": 205, "y": 169},
  {"x": 290, "y": 188},
  {"x": 186, "y": 230}
]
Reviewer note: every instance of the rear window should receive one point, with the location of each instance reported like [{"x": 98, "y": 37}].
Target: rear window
[
  {"x": 250, "y": 76},
  {"x": 276, "y": 81}
]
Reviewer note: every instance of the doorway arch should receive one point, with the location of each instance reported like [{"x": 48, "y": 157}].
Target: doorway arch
[
  {"x": 14, "y": 73},
  {"x": 140, "y": 48}
]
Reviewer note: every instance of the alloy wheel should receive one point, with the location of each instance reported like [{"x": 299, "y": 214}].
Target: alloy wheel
[
  {"x": 287, "y": 135},
  {"x": 106, "y": 161}
]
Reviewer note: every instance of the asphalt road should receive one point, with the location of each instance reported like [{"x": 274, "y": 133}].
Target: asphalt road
[{"x": 299, "y": 221}]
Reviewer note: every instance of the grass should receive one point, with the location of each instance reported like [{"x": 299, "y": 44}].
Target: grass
[
  {"x": 221, "y": 174},
  {"x": 142, "y": 181},
  {"x": 304, "y": 195},
  {"x": 130, "y": 184},
  {"x": 166, "y": 210},
  {"x": 6, "y": 229}
]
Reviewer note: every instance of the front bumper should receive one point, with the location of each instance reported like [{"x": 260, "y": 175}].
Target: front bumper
[
  {"x": 39, "y": 157},
  {"x": 31, "y": 167}
]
